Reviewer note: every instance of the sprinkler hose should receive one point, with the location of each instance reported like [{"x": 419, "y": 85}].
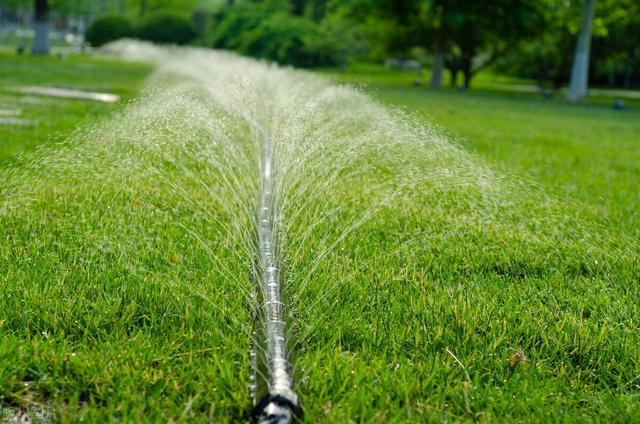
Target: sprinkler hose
[{"x": 280, "y": 404}]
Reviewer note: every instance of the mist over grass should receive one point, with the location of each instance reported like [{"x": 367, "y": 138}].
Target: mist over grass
[{"x": 413, "y": 271}]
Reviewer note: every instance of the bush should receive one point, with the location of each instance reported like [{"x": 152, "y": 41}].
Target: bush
[
  {"x": 108, "y": 28},
  {"x": 229, "y": 24},
  {"x": 166, "y": 28},
  {"x": 275, "y": 35}
]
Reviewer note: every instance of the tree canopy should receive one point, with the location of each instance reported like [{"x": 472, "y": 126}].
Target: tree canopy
[{"x": 526, "y": 38}]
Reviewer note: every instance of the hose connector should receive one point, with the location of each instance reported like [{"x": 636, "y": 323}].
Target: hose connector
[{"x": 278, "y": 408}]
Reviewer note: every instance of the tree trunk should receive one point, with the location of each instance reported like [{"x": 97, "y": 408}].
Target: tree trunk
[
  {"x": 468, "y": 74},
  {"x": 579, "y": 82},
  {"x": 437, "y": 67},
  {"x": 454, "y": 77},
  {"x": 436, "y": 71},
  {"x": 467, "y": 69},
  {"x": 628, "y": 71},
  {"x": 41, "y": 40}
]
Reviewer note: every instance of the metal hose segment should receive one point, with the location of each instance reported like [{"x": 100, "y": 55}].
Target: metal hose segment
[{"x": 280, "y": 404}]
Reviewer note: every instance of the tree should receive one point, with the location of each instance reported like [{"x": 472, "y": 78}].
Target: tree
[
  {"x": 463, "y": 35},
  {"x": 615, "y": 46},
  {"x": 430, "y": 25},
  {"x": 544, "y": 57},
  {"x": 184, "y": 7},
  {"x": 442, "y": 26},
  {"x": 41, "y": 12},
  {"x": 614, "y": 55},
  {"x": 481, "y": 35},
  {"x": 41, "y": 40},
  {"x": 580, "y": 70},
  {"x": 406, "y": 24}
]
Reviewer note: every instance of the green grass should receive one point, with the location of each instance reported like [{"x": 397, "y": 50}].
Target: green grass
[
  {"x": 53, "y": 118},
  {"x": 589, "y": 153},
  {"x": 111, "y": 310},
  {"x": 481, "y": 292},
  {"x": 126, "y": 255},
  {"x": 440, "y": 289},
  {"x": 372, "y": 74}
]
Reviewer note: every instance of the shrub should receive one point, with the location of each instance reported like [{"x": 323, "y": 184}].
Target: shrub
[
  {"x": 166, "y": 28},
  {"x": 274, "y": 35},
  {"x": 108, "y": 28},
  {"x": 229, "y": 24}
]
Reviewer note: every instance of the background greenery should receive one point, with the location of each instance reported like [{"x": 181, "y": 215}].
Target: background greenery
[{"x": 531, "y": 39}]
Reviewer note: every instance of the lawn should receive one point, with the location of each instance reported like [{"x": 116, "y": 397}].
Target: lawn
[
  {"x": 50, "y": 119},
  {"x": 426, "y": 280},
  {"x": 585, "y": 153}
]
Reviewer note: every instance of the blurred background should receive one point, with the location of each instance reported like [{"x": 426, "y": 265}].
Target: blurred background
[{"x": 452, "y": 41}]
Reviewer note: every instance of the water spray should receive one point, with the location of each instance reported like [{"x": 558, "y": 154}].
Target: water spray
[{"x": 280, "y": 404}]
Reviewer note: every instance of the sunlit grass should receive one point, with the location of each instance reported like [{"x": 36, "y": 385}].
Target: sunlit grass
[
  {"x": 587, "y": 153},
  {"x": 49, "y": 118},
  {"x": 414, "y": 270}
]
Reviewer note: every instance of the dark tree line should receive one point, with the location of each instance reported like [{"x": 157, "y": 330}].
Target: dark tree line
[
  {"x": 461, "y": 35},
  {"x": 551, "y": 41}
]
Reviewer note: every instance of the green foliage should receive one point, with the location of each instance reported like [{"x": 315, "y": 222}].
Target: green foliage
[
  {"x": 460, "y": 30},
  {"x": 615, "y": 56},
  {"x": 616, "y": 49},
  {"x": 525, "y": 38},
  {"x": 230, "y": 24},
  {"x": 547, "y": 57},
  {"x": 166, "y": 28},
  {"x": 270, "y": 31},
  {"x": 108, "y": 28}
]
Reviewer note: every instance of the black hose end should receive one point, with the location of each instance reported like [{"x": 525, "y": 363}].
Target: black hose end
[{"x": 278, "y": 409}]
